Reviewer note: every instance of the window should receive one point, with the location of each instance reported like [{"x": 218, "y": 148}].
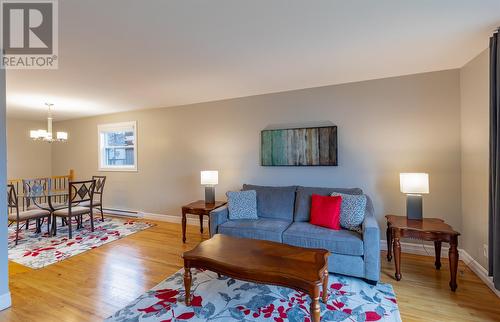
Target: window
[{"x": 118, "y": 146}]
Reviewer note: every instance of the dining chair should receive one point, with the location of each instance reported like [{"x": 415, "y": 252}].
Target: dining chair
[
  {"x": 14, "y": 215},
  {"x": 99, "y": 189},
  {"x": 41, "y": 186},
  {"x": 35, "y": 186},
  {"x": 78, "y": 192}
]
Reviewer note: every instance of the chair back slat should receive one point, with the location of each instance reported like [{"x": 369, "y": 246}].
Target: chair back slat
[
  {"x": 17, "y": 184},
  {"x": 81, "y": 191},
  {"x": 36, "y": 186},
  {"x": 99, "y": 184},
  {"x": 12, "y": 202}
]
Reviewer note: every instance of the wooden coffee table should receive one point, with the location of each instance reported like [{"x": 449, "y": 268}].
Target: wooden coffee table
[{"x": 260, "y": 261}]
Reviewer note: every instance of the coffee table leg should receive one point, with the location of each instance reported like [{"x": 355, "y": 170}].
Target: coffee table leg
[
  {"x": 325, "y": 286},
  {"x": 315, "y": 309},
  {"x": 187, "y": 285}
]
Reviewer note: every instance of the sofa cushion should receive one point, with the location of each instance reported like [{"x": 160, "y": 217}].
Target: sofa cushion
[
  {"x": 262, "y": 228},
  {"x": 95, "y": 203},
  {"x": 325, "y": 211},
  {"x": 303, "y": 199},
  {"x": 336, "y": 241},
  {"x": 274, "y": 202},
  {"x": 74, "y": 211},
  {"x": 352, "y": 211},
  {"x": 29, "y": 214},
  {"x": 242, "y": 204}
]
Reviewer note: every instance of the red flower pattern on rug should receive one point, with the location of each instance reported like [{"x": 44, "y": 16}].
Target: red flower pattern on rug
[
  {"x": 37, "y": 250},
  {"x": 226, "y": 299}
]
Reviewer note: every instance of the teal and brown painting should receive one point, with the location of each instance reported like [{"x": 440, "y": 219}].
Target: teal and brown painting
[{"x": 299, "y": 147}]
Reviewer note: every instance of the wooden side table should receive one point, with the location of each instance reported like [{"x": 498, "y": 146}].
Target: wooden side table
[
  {"x": 201, "y": 209},
  {"x": 429, "y": 229}
]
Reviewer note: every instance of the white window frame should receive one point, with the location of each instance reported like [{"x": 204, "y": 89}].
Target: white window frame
[{"x": 100, "y": 148}]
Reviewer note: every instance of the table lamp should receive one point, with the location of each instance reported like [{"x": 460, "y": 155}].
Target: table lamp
[
  {"x": 414, "y": 185},
  {"x": 209, "y": 179}
]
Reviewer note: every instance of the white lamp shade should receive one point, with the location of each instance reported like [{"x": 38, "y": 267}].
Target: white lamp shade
[
  {"x": 209, "y": 177},
  {"x": 414, "y": 183},
  {"x": 62, "y": 135}
]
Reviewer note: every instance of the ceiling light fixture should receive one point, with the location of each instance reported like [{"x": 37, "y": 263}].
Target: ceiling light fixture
[{"x": 46, "y": 135}]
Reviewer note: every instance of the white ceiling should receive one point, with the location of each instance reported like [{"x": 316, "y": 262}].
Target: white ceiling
[{"x": 118, "y": 55}]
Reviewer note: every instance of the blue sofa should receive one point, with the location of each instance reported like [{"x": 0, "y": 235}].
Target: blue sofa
[{"x": 284, "y": 217}]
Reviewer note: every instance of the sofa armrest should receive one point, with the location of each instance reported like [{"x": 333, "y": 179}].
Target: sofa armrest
[
  {"x": 371, "y": 244},
  {"x": 218, "y": 217}
]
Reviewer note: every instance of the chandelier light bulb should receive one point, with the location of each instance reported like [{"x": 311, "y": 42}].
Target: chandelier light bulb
[{"x": 47, "y": 135}]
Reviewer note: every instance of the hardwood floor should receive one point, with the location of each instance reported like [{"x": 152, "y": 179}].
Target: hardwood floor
[{"x": 93, "y": 285}]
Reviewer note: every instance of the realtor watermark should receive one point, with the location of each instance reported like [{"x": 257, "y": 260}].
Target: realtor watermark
[{"x": 29, "y": 34}]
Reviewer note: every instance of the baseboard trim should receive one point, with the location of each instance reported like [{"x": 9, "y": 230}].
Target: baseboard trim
[
  {"x": 418, "y": 249},
  {"x": 5, "y": 301},
  {"x": 428, "y": 250},
  {"x": 480, "y": 271},
  {"x": 191, "y": 219},
  {"x": 121, "y": 212}
]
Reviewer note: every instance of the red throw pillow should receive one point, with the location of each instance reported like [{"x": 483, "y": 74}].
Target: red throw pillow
[{"x": 325, "y": 211}]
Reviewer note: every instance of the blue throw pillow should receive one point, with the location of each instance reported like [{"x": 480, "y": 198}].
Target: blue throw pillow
[
  {"x": 242, "y": 204},
  {"x": 352, "y": 211}
]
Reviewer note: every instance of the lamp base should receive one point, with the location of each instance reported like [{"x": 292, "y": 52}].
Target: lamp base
[
  {"x": 209, "y": 194},
  {"x": 414, "y": 207}
]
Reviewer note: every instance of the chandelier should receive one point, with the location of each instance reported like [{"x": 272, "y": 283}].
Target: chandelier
[{"x": 46, "y": 135}]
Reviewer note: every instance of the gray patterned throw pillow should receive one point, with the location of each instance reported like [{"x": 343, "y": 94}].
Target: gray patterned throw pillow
[
  {"x": 352, "y": 212},
  {"x": 242, "y": 204}
]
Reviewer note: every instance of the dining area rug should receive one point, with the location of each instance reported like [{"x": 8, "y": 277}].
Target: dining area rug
[
  {"x": 37, "y": 250},
  {"x": 227, "y": 299}
]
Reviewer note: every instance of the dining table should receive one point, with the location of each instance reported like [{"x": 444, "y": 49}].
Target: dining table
[
  {"x": 50, "y": 200},
  {"x": 47, "y": 199}
]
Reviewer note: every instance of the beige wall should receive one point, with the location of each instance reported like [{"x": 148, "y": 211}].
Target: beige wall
[
  {"x": 474, "y": 93},
  {"x": 385, "y": 127},
  {"x": 25, "y": 157}
]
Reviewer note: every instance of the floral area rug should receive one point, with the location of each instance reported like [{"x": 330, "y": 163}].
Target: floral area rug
[
  {"x": 37, "y": 250},
  {"x": 226, "y": 299}
]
